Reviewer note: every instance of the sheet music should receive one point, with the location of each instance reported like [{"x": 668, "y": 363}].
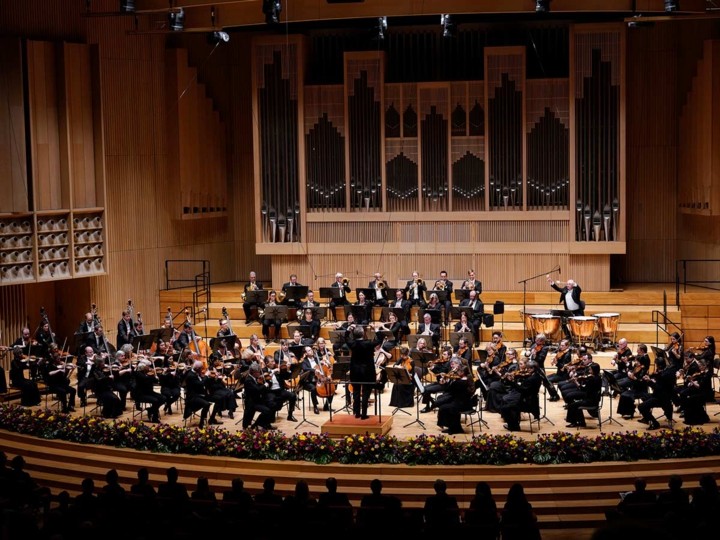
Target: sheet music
[{"x": 418, "y": 383}]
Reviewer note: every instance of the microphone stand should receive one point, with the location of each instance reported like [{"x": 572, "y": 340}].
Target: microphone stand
[{"x": 524, "y": 284}]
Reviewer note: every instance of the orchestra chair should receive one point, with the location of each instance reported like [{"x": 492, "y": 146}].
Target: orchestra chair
[
  {"x": 531, "y": 406},
  {"x": 474, "y": 414},
  {"x": 55, "y": 404},
  {"x": 590, "y": 409},
  {"x": 138, "y": 408}
]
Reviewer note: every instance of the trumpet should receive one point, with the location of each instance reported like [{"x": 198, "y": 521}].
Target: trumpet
[
  {"x": 468, "y": 284},
  {"x": 439, "y": 285}
]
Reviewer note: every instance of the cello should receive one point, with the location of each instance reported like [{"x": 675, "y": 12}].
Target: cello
[
  {"x": 323, "y": 379},
  {"x": 197, "y": 345}
]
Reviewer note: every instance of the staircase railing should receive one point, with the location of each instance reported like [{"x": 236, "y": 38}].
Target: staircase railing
[
  {"x": 685, "y": 267},
  {"x": 194, "y": 273}
]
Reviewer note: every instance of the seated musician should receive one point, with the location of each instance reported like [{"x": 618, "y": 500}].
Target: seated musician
[
  {"x": 283, "y": 354},
  {"x": 257, "y": 400},
  {"x": 472, "y": 284},
  {"x": 310, "y": 367},
  {"x": 252, "y": 285},
  {"x": 459, "y": 389},
  {"x": 218, "y": 392},
  {"x": 562, "y": 358},
  {"x": 224, "y": 329},
  {"x": 57, "y": 378},
  {"x": 428, "y": 328},
  {"x": 292, "y": 283},
  {"x": 435, "y": 305},
  {"x": 400, "y": 303},
  {"x": 662, "y": 382},
  {"x": 183, "y": 340},
  {"x": 309, "y": 321},
  {"x": 170, "y": 378},
  {"x": 635, "y": 386},
  {"x": 621, "y": 360},
  {"x": 497, "y": 340},
  {"x": 367, "y": 308},
  {"x": 675, "y": 350},
  {"x": 381, "y": 357},
  {"x": 103, "y": 387},
  {"x": 706, "y": 353},
  {"x": 691, "y": 398},
  {"x": 122, "y": 371},
  {"x": 464, "y": 351},
  {"x": 398, "y": 329},
  {"x": 591, "y": 387},
  {"x": 403, "y": 395},
  {"x": 268, "y": 321},
  {"x": 144, "y": 391},
  {"x": 442, "y": 365},
  {"x": 415, "y": 290},
  {"x": 87, "y": 324},
  {"x": 344, "y": 288},
  {"x": 348, "y": 326},
  {"x": 379, "y": 287},
  {"x": 44, "y": 337},
  {"x": 280, "y": 383},
  {"x": 464, "y": 325},
  {"x": 310, "y": 302},
  {"x": 499, "y": 385},
  {"x": 29, "y": 392},
  {"x": 444, "y": 284},
  {"x": 254, "y": 351},
  {"x": 524, "y": 385},
  {"x": 577, "y": 371},
  {"x": 473, "y": 302},
  {"x": 196, "y": 396},
  {"x": 85, "y": 365},
  {"x": 487, "y": 369}
]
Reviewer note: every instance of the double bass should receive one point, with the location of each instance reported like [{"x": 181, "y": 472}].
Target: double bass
[{"x": 197, "y": 345}]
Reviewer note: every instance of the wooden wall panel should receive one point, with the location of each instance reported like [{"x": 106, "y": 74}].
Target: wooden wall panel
[
  {"x": 13, "y": 150},
  {"x": 44, "y": 126}
]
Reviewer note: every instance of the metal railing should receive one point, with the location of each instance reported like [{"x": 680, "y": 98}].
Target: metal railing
[
  {"x": 662, "y": 322},
  {"x": 688, "y": 267},
  {"x": 193, "y": 273}
]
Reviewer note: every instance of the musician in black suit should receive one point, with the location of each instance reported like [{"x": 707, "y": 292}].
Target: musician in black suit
[
  {"x": 415, "y": 290},
  {"x": 524, "y": 385},
  {"x": 292, "y": 283},
  {"x": 379, "y": 287},
  {"x": 591, "y": 387},
  {"x": 662, "y": 383},
  {"x": 310, "y": 301},
  {"x": 252, "y": 285},
  {"x": 471, "y": 283},
  {"x": 429, "y": 328},
  {"x": 99, "y": 343},
  {"x": 29, "y": 392},
  {"x": 367, "y": 308},
  {"x": 125, "y": 330},
  {"x": 280, "y": 380},
  {"x": 85, "y": 365},
  {"x": 344, "y": 286},
  {"x": 309, "y": 321},
  {"x": 102, "y": 384},
  {"x": 184, "y": 338},
  {"x": 196, "y": 396},
  {"x": 310, "y": 367},
  {"x": 474, "y": 303},
  {"x": 87, "y": 325},
  {"x": 401, "y": 303},
  {"x": 144, "y": 391},
  {"x": 268, "y": 322},
  {"x": 446, "y": 285}
]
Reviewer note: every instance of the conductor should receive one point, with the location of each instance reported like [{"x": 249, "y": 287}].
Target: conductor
[
  {"x": 569, "y": 295},
  {"x": 362, "y": 370}
]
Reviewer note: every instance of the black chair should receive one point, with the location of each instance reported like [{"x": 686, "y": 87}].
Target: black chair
[
  {"x": 531, "y": 405},
  {"x": 595, "y": 410},
  {"x": 499, "y": 309}
]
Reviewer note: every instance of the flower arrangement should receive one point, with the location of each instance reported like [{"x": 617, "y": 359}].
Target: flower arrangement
[{"x": 484, "y": 449}]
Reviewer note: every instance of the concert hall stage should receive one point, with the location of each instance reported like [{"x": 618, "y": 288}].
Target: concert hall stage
[{"x": 347, "y": 424}]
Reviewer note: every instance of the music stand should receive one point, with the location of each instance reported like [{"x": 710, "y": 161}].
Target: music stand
[
  {"x": 337, "y": 337},
  {"x": 331, "y": 293},
  {"x": 462, "y": 294},
  {"x": 273, "y": 313},
  {"x": 216, "y": 342},
  {"x": 423, "y": 358},
  {"x": 456, "y": 312},
  {"x": 434, "y": 315},
  {"x": 295, "y": 293},
  {"x": 361, "y": 313},
  {"x": 318, "y": 312},
  {"x": 400, "y": 313},
  {"x": 390, "y": 293},
  {"x": 419, "y": 389},
  {"x": 340, "y": 372},
  {"x": 298, "y": 351},
  {"x": 547, "y": 384},
  {"x": 79, "y": 341},
  {"x": 368, "y": 292},
  {"x": 613, "y": 385},
  {"x": 256, "y": 297},
  {"x": 455, "y": 338},
  {"x": 161, "y": 334},
  {"x": 398, "y": 375},
  {"x": 659, "y": 353},
  {"x": 442, "y": 295},
  {"x": 299, "y": 388},
  {"x": 142, "y": 343}
]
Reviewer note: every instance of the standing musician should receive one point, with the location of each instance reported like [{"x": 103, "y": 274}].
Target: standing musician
[
  {"x": 102, "y": 384},
  {"x": 196, "y": 396},
  {"x": 257, "y": 400},
  {"x": 268, "y": 322},
  {"x": 403, "y": 395},
  {"x": 171, "y": 379},
  {"x": 362, "y": 370},
  {"x": 310, "y": 301},
  {"x": 280, "y": 382},
  {"x": 591, "y": 386},
  {"x": 662, "y": 383},
  {"x": 458, "y": 391},
  {"x": 415, "y": 290},
  {"x": 473, "y": 302},
  {"x": 400, "y": 303},
  {"x": 125, "y": 330},
  {"x": 428, "y": 328},
  {"x": 29, "y": 393},
  {"x": 674, "y": 350},
  {"x": 292, "y": 283},
  {"x": 57, "y": 378},
  {"x": 472, "y": 284},
  {"x": 441, "y": 366},
  {"x": 621, "y": 362},
  {"x": 524, "y": 385},
  {"x": 344, "y": 286},
  {"x": 444, "y": 284},
  {"x": 144, "y": 391},
  {"x": 379, "y": 285},
  {"x": 252, "y": 285},
  {"x": 309, "y": 321},
  {"x": 635, "y": 386}
]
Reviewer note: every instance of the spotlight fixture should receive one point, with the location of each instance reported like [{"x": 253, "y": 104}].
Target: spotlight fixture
[
  {"x": 449, "y": 28},
  {"x": 671, "y": 6},
  {"x": 542, "y": 6},
  {"x": 177, "y": 20},
  {"x": 127, "y": 6},
  {"x": 380, "y": 28},
  {"x": 272, "y": 9},
  {"x": 215, "y": 38}
]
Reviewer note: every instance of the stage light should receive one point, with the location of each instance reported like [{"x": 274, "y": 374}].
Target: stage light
[
  {"x": 542, "y": 6},
  {"x": 449, "y": 28},
  {"x": 215, "y": 38},
  {"x": 272, "y": 9},
  {"x": 177, "y": 20},
  {"x": 127, "y": 6},
  {"x": 671, "y": 5}
]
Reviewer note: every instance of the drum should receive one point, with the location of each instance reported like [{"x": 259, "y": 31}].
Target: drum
[
  {"x": 550, "y": 325},
  {"x": 527, "y": 318},
  {"x": 583, "y": 328},
  {"x": 608, "y": 324}
]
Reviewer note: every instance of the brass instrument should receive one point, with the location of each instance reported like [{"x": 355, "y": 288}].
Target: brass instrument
[
  {"x": 468, "y": 284},
  {"x": 381, "y": 285},
  {"x": 345, "y": 282},
  {"x": 251, "y": 287},
  {"x": 281, "y": 296},
  {"x": 439, "y": 285}
]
